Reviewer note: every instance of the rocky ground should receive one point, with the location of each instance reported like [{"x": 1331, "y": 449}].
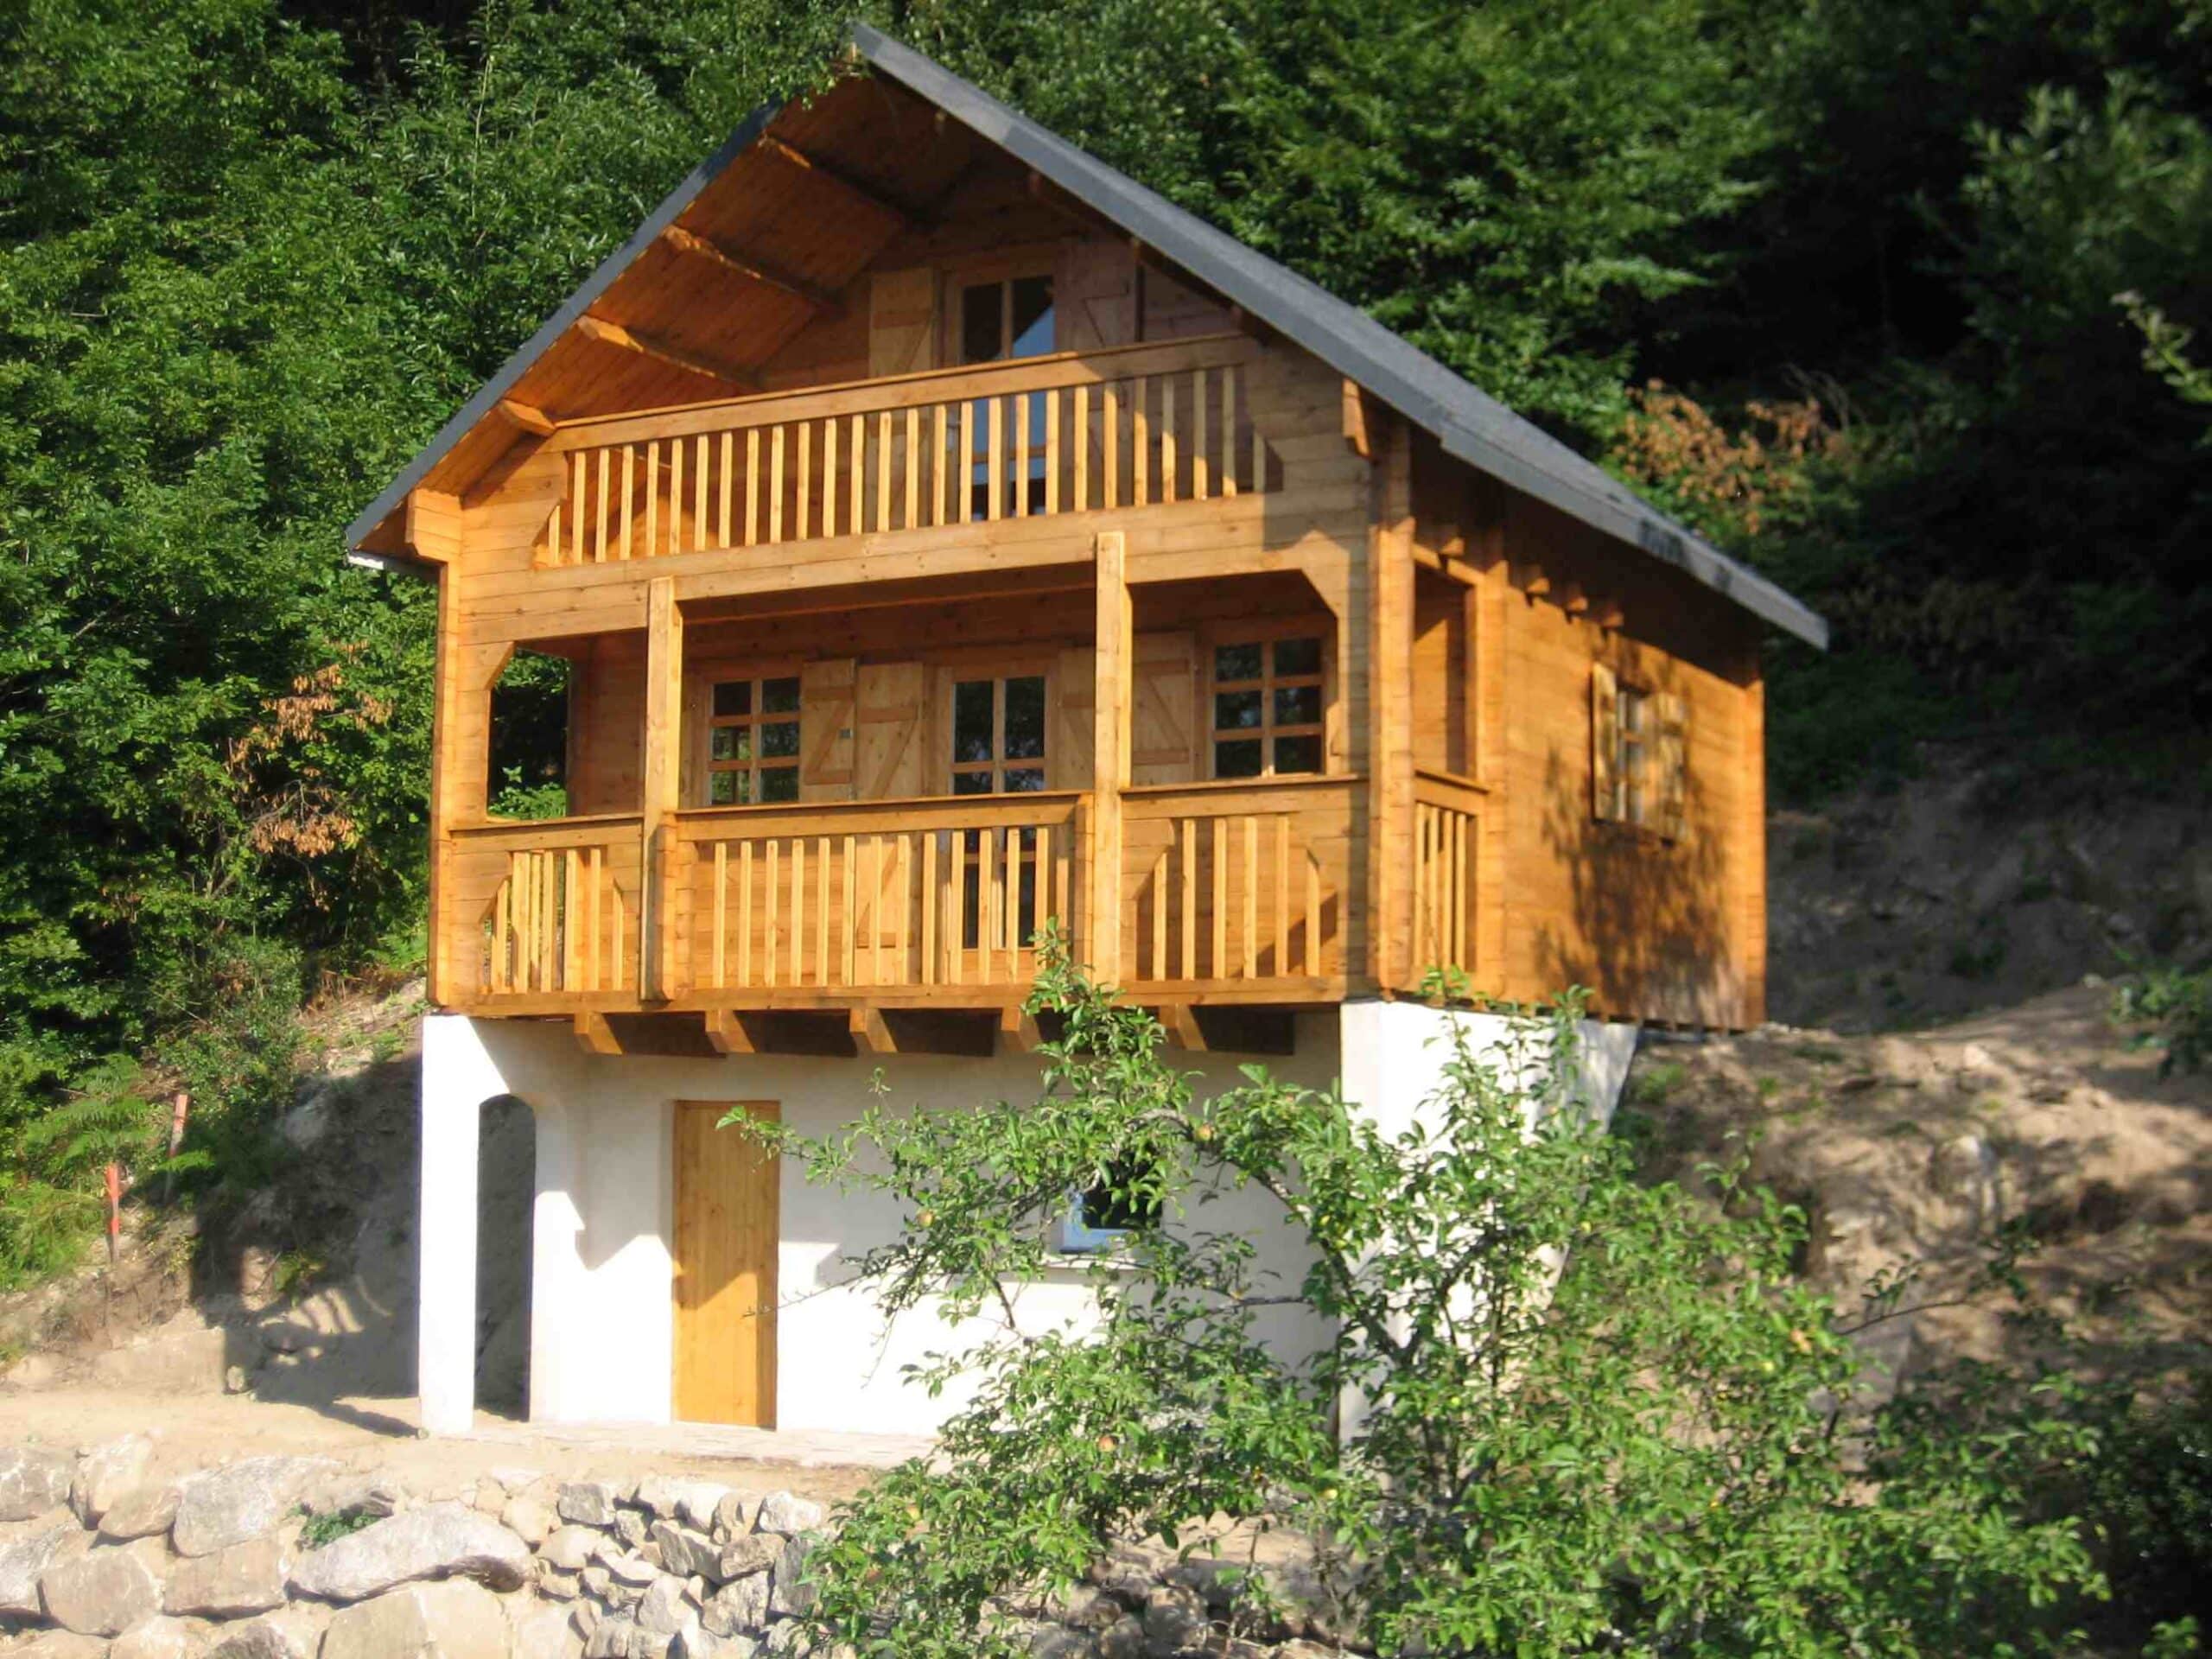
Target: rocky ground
[{"x": 307, "y": 1557}]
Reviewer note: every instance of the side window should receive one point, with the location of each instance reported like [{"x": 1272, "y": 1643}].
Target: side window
[
  {"x": 1639, "y": 754},
  {"x": 1266, "y": 698},
  {"x": 1105, "y": 1213},
  {"x": 753, "y": 741},
  {"x": 998, "y": 735}
]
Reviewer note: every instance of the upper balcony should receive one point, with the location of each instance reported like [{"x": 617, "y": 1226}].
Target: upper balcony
[{"x": 1041, "y": 437}]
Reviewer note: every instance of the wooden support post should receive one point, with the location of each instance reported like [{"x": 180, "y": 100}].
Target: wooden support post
[
  {"x": 1110, "y": 755},
  {"x": 594, "y": 1035},
  {"x": 460, "y": 762},
  {"x": 659, "y": 969},
  {"x": 1018, "y": 1032},
  {"x": 870, "y": 1035},
  {"x": 1180, "y": 1021},
  {"x": 728, "y": 1032},
  {"x": 1390, "y": 710}
]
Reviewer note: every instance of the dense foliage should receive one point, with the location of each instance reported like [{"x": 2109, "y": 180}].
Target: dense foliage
[
  {"x": 1594, "y": 1413},
  {"x": 1919, "y": 283}
]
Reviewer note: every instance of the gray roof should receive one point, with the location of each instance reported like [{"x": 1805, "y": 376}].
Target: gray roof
[{"x": 1465, "y": 421}]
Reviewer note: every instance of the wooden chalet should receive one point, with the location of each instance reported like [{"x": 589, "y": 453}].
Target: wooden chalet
[{"x": 950, "y": 536}]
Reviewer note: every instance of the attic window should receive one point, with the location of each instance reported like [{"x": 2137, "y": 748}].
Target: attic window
[{"x": 1639, "y": 754}]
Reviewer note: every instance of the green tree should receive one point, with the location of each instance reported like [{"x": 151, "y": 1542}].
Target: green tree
[{"x": 1599, "y": 1415}]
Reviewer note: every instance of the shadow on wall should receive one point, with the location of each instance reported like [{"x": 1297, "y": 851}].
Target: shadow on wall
[
  {"x": 334, "y": 1240},
  {"x": 506, "y": 1186},
  {"x": 1645, "y": 923}
]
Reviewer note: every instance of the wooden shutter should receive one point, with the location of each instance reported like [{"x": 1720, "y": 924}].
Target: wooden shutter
[
  {"x": 825, "y": 730},
  {"x": 1163, "y": 709},
  {"x": 1668, "y": 781},
  {"x": 887, "y": 716},
  {"x": 901, "y": 322},
  {"x": 1604, "y": 741},
  {"x": 1094, "y": 296},
  {"x": 1071, "y": 751}
]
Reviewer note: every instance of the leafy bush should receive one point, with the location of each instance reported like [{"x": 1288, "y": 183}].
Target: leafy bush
[
  {"x": 2176, "y": 1004},
  {"x": 1599, "y": 1416},
  {"x": 333, "y": 1524}
]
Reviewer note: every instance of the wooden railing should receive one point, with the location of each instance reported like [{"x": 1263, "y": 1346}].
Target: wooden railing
[
  {"x": 554, "y": 907},
  {"x": 1447, "y": 824},
  {"x": 914, "y": 896},
  {"x": 1134, "y": 426},
  {"x": 1236, "y": 886}
]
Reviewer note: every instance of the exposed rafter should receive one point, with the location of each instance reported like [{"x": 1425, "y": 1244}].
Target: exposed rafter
[
  {"x": 532, "y": 419},
  {"x": 907, "y": 217},
  {"x": 627, "y": 340},
  {"x": 745, "y": 265}
]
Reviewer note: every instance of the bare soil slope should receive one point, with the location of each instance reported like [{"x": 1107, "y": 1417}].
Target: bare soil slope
[{"x": 1916, "y": 1149}]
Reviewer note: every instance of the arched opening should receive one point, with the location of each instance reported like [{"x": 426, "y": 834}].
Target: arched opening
[{"x": 506, "y": 1191}]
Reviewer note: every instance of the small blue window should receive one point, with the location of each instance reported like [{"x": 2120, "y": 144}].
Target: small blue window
[{"x": 1101, "y": 1217}]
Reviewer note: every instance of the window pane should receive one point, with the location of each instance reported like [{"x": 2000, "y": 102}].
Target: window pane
[
  {"x": 779, "y": 696},
  {"x": 1032, "y": 315},
  {"x": 1238, "y": 759},
  {"x": 721, "y": 788},
  {"x": 979, "y": 321},
  {"x": 1236, "y": 663},
  {"x": 778, "y": 739},
  {"x": 1024, "y": 781},
  {"x": 1025, "y": 718},
  {"x": 729, "y": 743},
  {"x": 971, "y": 721},
  {"x": 1298, "y": 656},
  {"x": 1298, "y": 755},
  {"x": 1298, "y": 705},
  {"x": 1236, "y": 710},
  {"x": 779, "y": 783},
  {"x": 733, "y": 697},
  {"x": 971, "y": 782}
]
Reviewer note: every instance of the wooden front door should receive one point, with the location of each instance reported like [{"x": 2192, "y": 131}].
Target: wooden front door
[{"x": 727, "y": 1225}]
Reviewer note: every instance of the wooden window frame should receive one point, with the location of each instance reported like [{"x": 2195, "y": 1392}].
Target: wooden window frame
[
  {"x": 705, "y": 721},
  {"x": 1266, "y": 634},
  {"x": 1640, "y": 755},
  {"x": 1004, "y": 268},
  {"x": 951, "y": 672}
]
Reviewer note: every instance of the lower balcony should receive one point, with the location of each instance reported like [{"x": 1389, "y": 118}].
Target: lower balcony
[{"x": 1223, "y": 892}]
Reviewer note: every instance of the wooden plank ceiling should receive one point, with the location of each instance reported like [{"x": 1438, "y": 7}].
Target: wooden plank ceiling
[{"x": 766, "y": 248}]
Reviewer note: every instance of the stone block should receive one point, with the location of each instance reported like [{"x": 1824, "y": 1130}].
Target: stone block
[
  {"x": 685, "y": 1552},
  {"x": 32, "y": 1479},
  {"x": 588, "y": 1503},
  {"x": 142, "y": 1512},
  {"x": 793, "y": 1594},
  {"x": 528, "y": 1517},
  {"x": 160, "y": 1638},
  {"x": 240, "y": 1501},
  {"x": 106, "y": 1472},
  {"x": 457, "y": 1620},
  {"x": 546, "y": 1633},
  {"x": 571, "y": 1548},
  {"x": 101, "y": 1592},
  {"x": 293, "y": 1632},
  {"x": 787, "y": 1513},
  {"x": 24, "y": 1561},
  {"x": 244, "y": 1578},
  {"x": 756, "y": 1551},
  {"x": 438, "y": 1540}
]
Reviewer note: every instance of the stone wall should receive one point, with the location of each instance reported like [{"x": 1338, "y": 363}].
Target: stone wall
[{"x": 301, "y": 1558}]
